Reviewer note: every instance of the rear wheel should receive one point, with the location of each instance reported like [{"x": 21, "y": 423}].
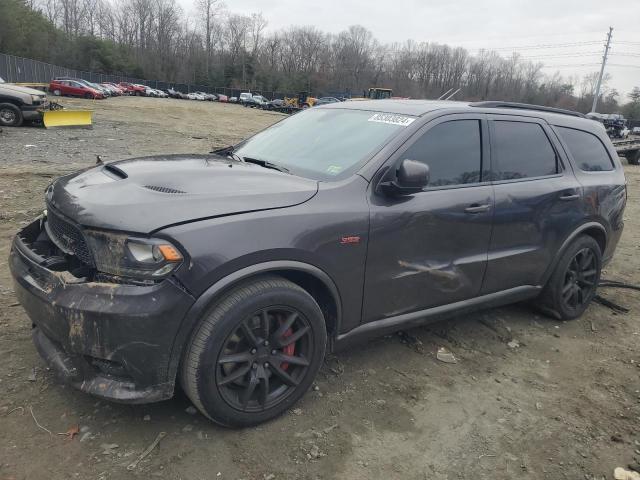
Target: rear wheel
[
  {"x": 574, "y": 281},
  {"x": 255, "y": 353},
  {"x": 10, "y": 115}
]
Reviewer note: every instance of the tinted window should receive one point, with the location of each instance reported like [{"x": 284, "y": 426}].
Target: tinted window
[
  {"x": 453, "y": 151},
  {"x": 521, "y": 150},
  {"x": 586, "y": 149}
]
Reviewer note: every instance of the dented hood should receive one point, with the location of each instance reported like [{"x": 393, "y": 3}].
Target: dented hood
[{"x": 148, "y": 193}]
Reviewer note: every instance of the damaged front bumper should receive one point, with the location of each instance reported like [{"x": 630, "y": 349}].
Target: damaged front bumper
[{"x": 107, "y": 339}]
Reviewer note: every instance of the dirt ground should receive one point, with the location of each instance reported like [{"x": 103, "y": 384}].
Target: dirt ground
[{"x": 530, "y": 398}]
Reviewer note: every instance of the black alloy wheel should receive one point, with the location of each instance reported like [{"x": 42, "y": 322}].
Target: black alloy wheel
[
  {"x": 264, "y": 359},
  {"x": 580, "y": 279},
  {"x": 574, "y": 280},
  {"x": 255, "y": 352}
]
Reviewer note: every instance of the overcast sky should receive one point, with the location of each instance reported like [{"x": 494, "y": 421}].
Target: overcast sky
[{"x": 508, "y": 25}]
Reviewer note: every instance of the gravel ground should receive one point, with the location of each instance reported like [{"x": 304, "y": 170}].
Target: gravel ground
[{"x": 529, "y": 398}]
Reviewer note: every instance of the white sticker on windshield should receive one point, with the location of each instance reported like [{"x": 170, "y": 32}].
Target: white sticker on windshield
[{"x": 392, "y": 119}]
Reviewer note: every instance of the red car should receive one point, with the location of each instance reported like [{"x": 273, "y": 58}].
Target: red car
[
  {"x": 222, "y": 98},
  {"x": 73, "y": 88},
  {"x": 133, "y": 89}
]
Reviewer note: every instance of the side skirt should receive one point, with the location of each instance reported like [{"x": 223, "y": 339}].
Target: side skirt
[{"x": 434, "y": 314}]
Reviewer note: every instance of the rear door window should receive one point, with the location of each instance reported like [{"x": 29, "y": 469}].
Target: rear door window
[
  {"x": 453, "y": 152},
  {"x": 586, "y": 149},
  {"x": 521, "y": 150}
]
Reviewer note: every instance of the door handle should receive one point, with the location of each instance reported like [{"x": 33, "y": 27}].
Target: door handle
[
  {"x": 475, "y": 208},
  {"x": 569, "y": 196}
]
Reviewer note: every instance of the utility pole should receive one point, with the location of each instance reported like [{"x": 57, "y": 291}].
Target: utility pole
[{"x": 596, "y": 95}]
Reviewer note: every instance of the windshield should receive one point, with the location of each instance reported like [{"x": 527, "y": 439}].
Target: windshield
[{"x": 324, "y": 144}]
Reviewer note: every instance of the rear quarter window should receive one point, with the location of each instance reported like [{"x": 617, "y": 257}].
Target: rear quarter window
[{"x": 586, "y": 149}]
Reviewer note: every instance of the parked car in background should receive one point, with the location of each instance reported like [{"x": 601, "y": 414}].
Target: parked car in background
[
  {"x": 174, "y": 93},
  {"x": 115, "y": 91},
  {"x": 94, "y": 86},
  {"x": 233, "y": 100},
  {"x": 223, "y": 98},
  {"x": 274, "y": 104},
  {"x": 257, "y": 101},
  {"x": 73, "y": 88},
  {"x": 101, "y": 88},
  {"x": 206, "y": 96},
  {"x": 245, "y": 97},
  {"x": 326, "y": 100},
  {"x": 635, "y": 130},
  {"x": 133, "y": 89}
]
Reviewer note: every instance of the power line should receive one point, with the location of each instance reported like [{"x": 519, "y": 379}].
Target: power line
[
  {"x": 562, "y": 55},
  {"x": 567, "y": 65},
  {"x": 626, "y": 54},
  {"x": 545, "y": 46}
]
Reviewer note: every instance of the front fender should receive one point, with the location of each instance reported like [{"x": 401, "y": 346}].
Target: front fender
[{"x": 211, "y": 294}]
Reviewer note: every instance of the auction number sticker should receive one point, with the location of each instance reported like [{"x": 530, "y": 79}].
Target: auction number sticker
[{"x": 392, "y": 119}]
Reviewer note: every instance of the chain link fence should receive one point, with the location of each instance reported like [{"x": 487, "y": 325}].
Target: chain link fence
[{"x": 25, "y": 70}]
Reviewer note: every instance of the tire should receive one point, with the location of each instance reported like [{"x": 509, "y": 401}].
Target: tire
[
  {"x": 57, "y": 93},
  {"x": 579, "y": 267},
  {"x": 88, "y": 96},
  {"x": 138, "y": 93},
  {"x": 257, "y": 385},
  {"x": 10, "y": 115},
  {"x": 634, "y": 157}
]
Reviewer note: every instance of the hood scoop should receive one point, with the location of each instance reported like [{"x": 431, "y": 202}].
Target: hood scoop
[
  {"x": 115, "y": 171},
  {"x": 169, "y": 190}
]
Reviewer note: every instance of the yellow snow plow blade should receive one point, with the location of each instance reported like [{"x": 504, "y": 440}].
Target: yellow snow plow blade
[{"x": 66, "y": 118}]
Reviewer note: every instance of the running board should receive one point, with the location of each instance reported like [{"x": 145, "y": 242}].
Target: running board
[{"x": 422, "y": 317}]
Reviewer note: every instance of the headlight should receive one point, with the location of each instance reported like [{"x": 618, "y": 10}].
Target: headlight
[
  {"x": 36, "y": 99},
  {"x": 142, "y": 258}
]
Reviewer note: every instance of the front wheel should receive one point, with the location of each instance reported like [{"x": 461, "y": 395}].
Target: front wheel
[
  {"x": 255, "y": 353},
  {"x": 10, "y": 115},
  {"x": 574, "y": 281}
]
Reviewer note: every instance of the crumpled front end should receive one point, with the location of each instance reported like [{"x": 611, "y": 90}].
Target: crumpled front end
[{"x": 109, "y": 339}]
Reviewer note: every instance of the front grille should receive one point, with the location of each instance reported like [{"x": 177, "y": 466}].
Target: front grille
[{"x": 68, "y": 237}]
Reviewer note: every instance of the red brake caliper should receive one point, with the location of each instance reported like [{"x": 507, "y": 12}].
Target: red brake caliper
[{"x": 289, "y": 349}]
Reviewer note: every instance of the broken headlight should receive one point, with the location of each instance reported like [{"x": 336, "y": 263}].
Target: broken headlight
[{"x": 139, "y": 258}]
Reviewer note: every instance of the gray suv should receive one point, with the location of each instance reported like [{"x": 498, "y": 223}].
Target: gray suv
[{"x": 233, "y": 273}]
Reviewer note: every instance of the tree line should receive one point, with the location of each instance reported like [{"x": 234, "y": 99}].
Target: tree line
[{"x": 154, "y": 39}]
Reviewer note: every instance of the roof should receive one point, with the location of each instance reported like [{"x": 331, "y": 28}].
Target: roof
[
  {"x": 423, "y": 107},
  {"x": 401, "y": 107}
]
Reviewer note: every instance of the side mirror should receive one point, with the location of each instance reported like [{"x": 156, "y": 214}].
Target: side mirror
[{"x": 410, "y": 177}]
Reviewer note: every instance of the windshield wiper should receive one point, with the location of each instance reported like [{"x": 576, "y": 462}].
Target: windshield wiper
[
  {"x": 229, "y": 152},
  {"x": 265, "y": 164}
]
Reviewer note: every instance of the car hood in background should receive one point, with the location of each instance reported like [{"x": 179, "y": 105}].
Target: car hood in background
[{"x": 148, "y": 193}]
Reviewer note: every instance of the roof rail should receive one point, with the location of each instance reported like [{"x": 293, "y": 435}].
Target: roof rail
[{"x": 525, "y": 106}]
